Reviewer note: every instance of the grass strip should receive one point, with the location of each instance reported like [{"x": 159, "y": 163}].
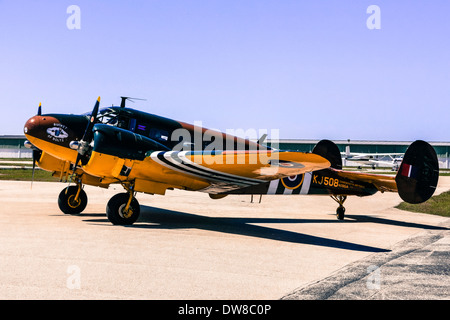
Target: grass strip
[
  {"x": 437, "y": 205},
  {"x": 25, "y": 175}
]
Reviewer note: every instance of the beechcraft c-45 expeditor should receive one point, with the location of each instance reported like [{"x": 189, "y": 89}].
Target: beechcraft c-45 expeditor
[{"x": 148, "y": 153}]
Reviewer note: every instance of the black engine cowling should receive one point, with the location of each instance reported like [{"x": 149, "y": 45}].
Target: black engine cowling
[{"x": 123, "y": 143}]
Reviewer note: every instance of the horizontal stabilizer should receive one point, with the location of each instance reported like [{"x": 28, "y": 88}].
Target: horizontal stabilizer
[{"x": 381, "y": 182}]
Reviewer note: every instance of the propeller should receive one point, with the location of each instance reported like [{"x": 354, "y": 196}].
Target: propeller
[
  {"x": 36, "y": 156},
  {"x": 87, "y": 137},
  {"x": 35, "y": 151}
]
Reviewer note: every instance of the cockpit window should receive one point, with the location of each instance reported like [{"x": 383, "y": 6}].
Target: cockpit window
[
  {"x": 109, "y": 116},
  {"x": 111, "y": 121},
  {"x": 106, "y": 116}
]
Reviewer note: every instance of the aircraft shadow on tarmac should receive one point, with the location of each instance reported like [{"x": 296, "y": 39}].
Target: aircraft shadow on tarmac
[
  {"x": 157, "y": 218},
  {"x": 359, "y": 218}
]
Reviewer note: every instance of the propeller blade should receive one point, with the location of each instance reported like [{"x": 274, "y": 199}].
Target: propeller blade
[
  {"x": 36, "y": 156},
  {"x": 79, "y": 155},
  {"x": 39, "y": 110},
  {"x": 88, "y": 132},
  {"x": 87, "y": 137},
  {"x": 32, "y": 175}
]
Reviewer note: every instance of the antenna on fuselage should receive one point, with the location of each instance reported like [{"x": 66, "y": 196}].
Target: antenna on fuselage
[{"x": 123, "y": 99}]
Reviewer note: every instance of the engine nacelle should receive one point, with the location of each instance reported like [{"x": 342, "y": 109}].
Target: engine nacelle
[
  {"x": 123, "y": 143},
  {"x": 114, "y": 150}
]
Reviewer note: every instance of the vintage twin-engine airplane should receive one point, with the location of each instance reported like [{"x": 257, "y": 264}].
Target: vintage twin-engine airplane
[{"x": 151, "y": 154}]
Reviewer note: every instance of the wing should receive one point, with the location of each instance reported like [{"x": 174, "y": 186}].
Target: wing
[
  {"x": 223, "y": 171},
  {"x": 211, "y": 172}
]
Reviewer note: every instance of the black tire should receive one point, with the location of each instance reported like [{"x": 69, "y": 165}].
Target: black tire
[
  {"x": 66, "y": 201},
  {"x": 340, "y": 213},
  {"x": 115, "y": 206}
]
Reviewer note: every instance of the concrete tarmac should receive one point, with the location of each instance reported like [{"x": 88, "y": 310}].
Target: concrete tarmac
[
  {"x": 416, "y": 268},
  {"x": 188, "y": 246}
]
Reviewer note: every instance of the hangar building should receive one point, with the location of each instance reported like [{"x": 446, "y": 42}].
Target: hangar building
[{"x": 11, "y": 146}]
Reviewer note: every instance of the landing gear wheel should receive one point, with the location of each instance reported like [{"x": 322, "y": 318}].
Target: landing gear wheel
[
  {"x": 115, "y": 210},
  {"x": 67, "y": 202},
  {"x": 340, "y": 213}
]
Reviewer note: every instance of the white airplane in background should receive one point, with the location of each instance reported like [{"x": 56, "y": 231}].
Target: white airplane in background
[{"x": 374, "y": 160}]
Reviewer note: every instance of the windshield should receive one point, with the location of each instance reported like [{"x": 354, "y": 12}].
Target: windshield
[{"x": 106, "y": 116}]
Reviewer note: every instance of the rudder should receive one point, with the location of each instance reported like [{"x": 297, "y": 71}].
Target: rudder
[
  {"x": 418, "y": 174},
  {"x": 330, "y": 151}
]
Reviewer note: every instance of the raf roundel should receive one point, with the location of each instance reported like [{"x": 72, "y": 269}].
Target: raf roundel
[{"x": 293, "y": 182}]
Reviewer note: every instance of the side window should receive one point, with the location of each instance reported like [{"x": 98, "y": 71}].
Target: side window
[
  {"x": 132, "y": 125},
  {"x": 122, "y": 123},
  {"x": 159, "y": 135}
]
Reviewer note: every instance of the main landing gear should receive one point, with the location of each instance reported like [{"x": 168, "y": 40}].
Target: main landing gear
[
  {"x": 73, "y": 199},
  {"x": 122, "y": 209},
  {"x": 340, "y": 211}
]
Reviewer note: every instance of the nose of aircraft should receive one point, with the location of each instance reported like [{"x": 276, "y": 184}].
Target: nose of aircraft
[
  {"x": 32, "y": 125},
  {"x": 53, "y": 133},
  {"x": 48, "y": 128},
  {"x": 57, "y": 129},
  {"x": 41, "y": 126}
]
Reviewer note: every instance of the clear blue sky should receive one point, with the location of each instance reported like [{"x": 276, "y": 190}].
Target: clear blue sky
[{"x": 311, "y": 69}]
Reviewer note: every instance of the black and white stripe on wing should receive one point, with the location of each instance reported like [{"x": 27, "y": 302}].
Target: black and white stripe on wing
[
  {"x": 181, "y": 156},
  {"x": 171, "y": 160}
]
